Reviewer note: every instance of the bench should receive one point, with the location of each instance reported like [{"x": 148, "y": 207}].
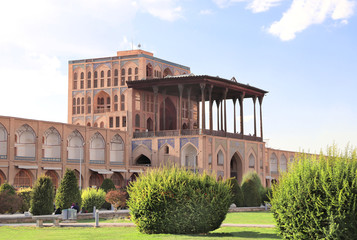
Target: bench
[{"x": 39, "y": 219}]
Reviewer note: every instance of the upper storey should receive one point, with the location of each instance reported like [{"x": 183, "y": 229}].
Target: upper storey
[{"x": 97, "y": 89}]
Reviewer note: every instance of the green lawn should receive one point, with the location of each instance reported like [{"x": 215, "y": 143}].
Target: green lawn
[{"x": 129, "y": 233}]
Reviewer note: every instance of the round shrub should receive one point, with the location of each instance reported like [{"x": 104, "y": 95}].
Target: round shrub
[
  {"x": 25, "y": 195},
  {"x": 252, "y": 190},
  {"x": 42, "y": 196},
  {"x": 68, "y": 191},
  {"x": 92, "y": 197},
  {"x": 237, "y": 193},
  {"x": 107, "y": 185},
  {"x": 174, "y": 200},
  {"x": 6, "y": 187},
  {"x": 317, "y": 198}
]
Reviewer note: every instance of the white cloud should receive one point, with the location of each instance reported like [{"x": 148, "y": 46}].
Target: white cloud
[
  {"x": 256, "y": 6},
  {"x": 167, "y": 10},
  {"x": 206, "y": 12},
  {"x": 303, "y": 13}
]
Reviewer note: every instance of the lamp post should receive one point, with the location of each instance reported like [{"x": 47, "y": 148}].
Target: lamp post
[{"x": 80, "y": 165}]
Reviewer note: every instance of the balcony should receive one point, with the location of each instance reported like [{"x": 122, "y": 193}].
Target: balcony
[{"x": 188, "y": 132}]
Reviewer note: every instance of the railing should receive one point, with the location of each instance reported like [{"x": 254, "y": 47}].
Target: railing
[
  {"x": 45, "y": 159},
  {"x": 3, "y": 156},
  {"x": 22, "y": 158},
  {"x": 74, "y": 160},
  {"x": 96, "y": 162},
  {"x": 185, "y": 132},
  {"x": 101, "y": 110},
  {"x": 116, "y": 163}
]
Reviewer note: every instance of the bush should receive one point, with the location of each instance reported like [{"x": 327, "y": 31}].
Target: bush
[
  {"x": 25, "y": 195},
  {"x": 266, "y": 194},
  {"x": 107, "y": 185},
  {"x": 42, "y": 196},
  {"x": 68, "y": 191},
  {"x": 238, "y": 198},
  {"x": 92, "y": 197},
  {"x": 9, "y": 203},
  {"x": 117, "y": 198},
  {"x": 6, "y": 187},
  {"x": 173, "y": 200},
  {"x": 317, "y": 198},
  {"x": 252, "y": 190}
]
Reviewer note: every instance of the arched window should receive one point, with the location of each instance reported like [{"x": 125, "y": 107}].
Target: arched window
[
  {"x": 136, "y": 71},
  {"x": 251, "y": 161},
  {"x": 129, "y": 71},
  {"x": 95, "y": 180},
  {"x": 102, "y": 124},
  {"x": 122, "y": 102},
  {"x": 89, "y": 101},
  {"x": 74, "y": 101},
  {"x": 283, "y": 163},
  {"x": 220, "y": 158},
  {"x": 108, "y": 100},
  {"x": 82, "y": 75},
  {"x": 23, "y": 179},
  {"x": 102, "y": 74},
  {"x": 82, "y": 100},
  {"x": 167, "y": 150},
  {"x": 108, "y": 73},
  {"x": 3, "y": 142},
  {"x": 75, "y": 76},
  {"x": 97, "y": 149},
  {"x": 123, "y": 71},
  {"x": 117, "y": 149},
  {"x": 89, "y": 74},
  {"x": 75, "y": 147},
  {"x": 273, "y": 163},
  {"x": 137, "y": 120},
  {"x": 95, "y": 74},
  {"x": 78, "y": 101},
  {"x": 115, "y": 98},
  {"x": 51, "y": 145},
  {"x": 149, "y": 71},
  {"x": 115, "y": 102},
  {"x": 118, "y": 180},
  {"x": 25, "y": 143},
  {"x": 116, "y": 72}
]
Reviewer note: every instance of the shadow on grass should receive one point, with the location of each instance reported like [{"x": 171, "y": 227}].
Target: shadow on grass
[{"x": 241, "y": 234}]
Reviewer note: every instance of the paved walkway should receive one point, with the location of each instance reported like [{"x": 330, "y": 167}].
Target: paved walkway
[{"x": 62, "y": 224}]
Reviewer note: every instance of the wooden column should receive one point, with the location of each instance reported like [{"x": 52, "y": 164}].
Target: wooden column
[
  {"x": 180, "y": 87},
  {"x": 198, "y": 112},
  {"x": 225, "y": 109},
  {"x": 189, "y": 108},
  {"x": 156, "y": 90},
  {"x": 164, "y": 109},
  {"x": 203, "y": 85},
  {"x": 217, "y": 103},
  {"x": 234, "y": 113},
  {"x": 222, "y": 115},
  {"x": 240, "y": 99},
  {"x": 255, "y": 116},
  {"x": 261, "y": 116},
  {"x": 210, "y": 108}
]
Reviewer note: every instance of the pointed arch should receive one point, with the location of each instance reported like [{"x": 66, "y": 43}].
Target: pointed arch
[
  {"x": 189, "y": 156},
  {"x": 283, "y": 163},
  {"x": 23, "y": 179},
  {"x": 143, "y": 160},
  {"x": 236, "y": 167},
  {"x": 273, "y": 163},
  {"x": 149, "y": 71},
  {"x": 95, "y": 180},
  {"x": 25, "y": 143},
  {"x": 97, "y": 148},
  {"x": 51, "y": 145},
  {"x": 3, "y": 142},
  {"x": 149, "y": 124},
  {"x": 170, "y": 115},
  {"x": 251, "y": 160},
  {"x": 2, "y": 177},
  {"x": 75, "y": 146},
  {"x": 167, "y": 72},
  {"x": 54, "y": 177},
  {"x": 117, "y": 149},
  {"x": 100, "y": 105},
  {"x": 137, "y": 120},
  {"x": 220, "y": 158},
  {"x": 118, "y": 180}
]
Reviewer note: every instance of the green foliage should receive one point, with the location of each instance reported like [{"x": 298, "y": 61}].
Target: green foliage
[
  {"x": 252, "y": 190},
  {"x": 25, "y": 195},
  {"x": 68, "y": 191},
  {"x": 266, "y": 194},
  {"x": 42, "y": 196},
  {"x": 9, "y": 203},
  {"x": 92, "y": 197},
  {"x": 107, "y": 185},
  {"x": 117, "y": 198},
  {"x": 6, "y": 187},
  {"x": 317, "y": 198},
  {"x": 238, "y": 198},
  {"x": 173, "y": 200}
]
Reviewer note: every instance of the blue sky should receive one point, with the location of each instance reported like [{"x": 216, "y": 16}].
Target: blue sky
[{"x": 302, "y": 51}]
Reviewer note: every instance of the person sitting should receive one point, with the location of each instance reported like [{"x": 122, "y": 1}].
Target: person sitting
[{"x": 76, "y": 207}]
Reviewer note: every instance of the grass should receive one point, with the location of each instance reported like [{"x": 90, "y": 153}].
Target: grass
[{"x": 129, "y": 233}]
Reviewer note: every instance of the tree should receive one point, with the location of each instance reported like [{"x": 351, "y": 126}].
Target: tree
[
  {"x": 68, "y": 191},
  {"x": 6, "y": 187},
  {"x": 42, "y": 196},
  {"x": 107, "y": 185}
]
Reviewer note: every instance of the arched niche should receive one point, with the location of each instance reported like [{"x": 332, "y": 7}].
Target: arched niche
[
  {"x": 117, "y": 149},
  {"x": 75, "y": 146},
  {"x": 236, "y": 167},
  {"x": 25, "y": 141},
  {"x": 51, "y": 144},
  {"x": 97, "y": 148},
  {"x": 189, "y": 156}
]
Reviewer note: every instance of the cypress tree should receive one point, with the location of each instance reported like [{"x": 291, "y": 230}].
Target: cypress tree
[
  {"x": 6, "y": 187},
  {"x": 68, "y": 191},
  {"x": 42, "y": 196},
  {"x": 107, "y": 185}
]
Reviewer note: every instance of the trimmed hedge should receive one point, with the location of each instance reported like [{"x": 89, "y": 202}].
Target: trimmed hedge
[
  {"x": 68, "y": 191},
  {"x": 9, "y": 203},
  {"x": 174, "y": 200},
  {"x": 42, "y": 196},
  {"x": 252, "y": 190},
  {"x": 92, "y": 197},
  {"x": 317, "y": 198},
  {"x": 238, "y": 198}
]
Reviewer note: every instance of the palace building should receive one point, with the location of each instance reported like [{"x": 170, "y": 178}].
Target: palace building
[{"x": 132, "y": 112}]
